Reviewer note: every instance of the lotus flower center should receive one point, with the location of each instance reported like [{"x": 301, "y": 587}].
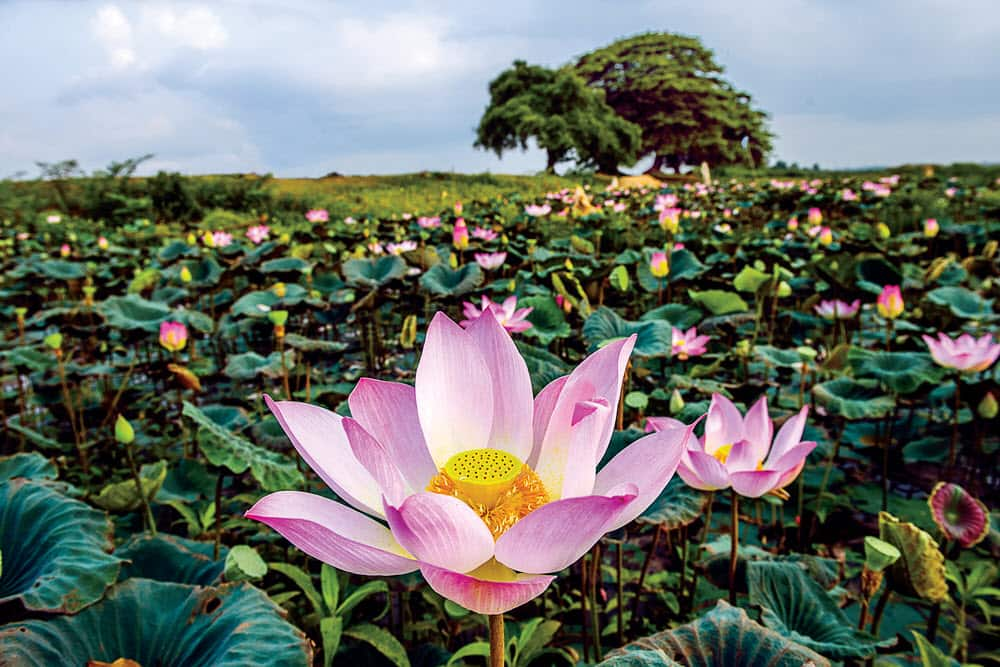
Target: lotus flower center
[
  {"x": 497, "y": 485},
  {"x": 722, "y": 453}
]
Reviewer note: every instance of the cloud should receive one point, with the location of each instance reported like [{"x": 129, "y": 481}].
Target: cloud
[
  {"x": 114, "y": 31},
  {"x": 195, "y": 27}
]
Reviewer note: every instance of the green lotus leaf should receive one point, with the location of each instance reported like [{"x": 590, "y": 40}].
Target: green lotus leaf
[
  {"x": 312, "y": 345},
  {"x": 900, "y": 372},
  {"x": 374, "y": 272},
  {"x": 779, "y": 358},
  {"x": 161, "y": 623},
  {"x": 61, "y": 269},
  {"x": 548, "y": 321},
  {"x": 171, "y": 558},
  {"x": 719, "y": 302},
  {"x": 685, "y": 266},
  {"x": 224, "y": 448},
  {"x": 243, "y": 563},
  {"x": 443, "y": 280},
  {"x": 206, "y": 272},
  {"x": 724, "y": 637},
  {"x": 197, "y": 320},
  {"x": 749, "y": 279},
  {"x": 133, "y": 312},
  {"x": 124, "y": 497},
  {"x": 56, "y": 549},
  {"x": 677, "y": 505},
  {"x": 28, "y": 358},
  {"x": 285, "y": 264},
  {"x": 675, "y": 315},
  {"x": 877, "y": 271},
  {"x": 258, "y": 304},
  {"x": 853, "y": 399},
  {"x": 797, "y": 607},
  {"x": 29, "y": 465},
  {"x": 173, "y": 250},
  {"x": 249, "y": 365},
  {"x": 963, "y": 302},
  {"x": 920, "y": 570},
  {"x": 653, "y": 336}
]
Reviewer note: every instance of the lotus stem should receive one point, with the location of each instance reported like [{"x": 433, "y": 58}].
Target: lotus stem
[
  {"x": 218, "y": 516},
  {"x": 885, "y": 454},
  {"x": 889, "y": 330},
  {"x": 497, "y": 644},
  {"x": 621, "y": 592},
  {"x": 734, "y": 535},
  {"x": 584, "y": 638},
  {"x": 595, "y": 577},
  {"x": 932, "y": 622},
  {"x": 71, "y": 412},
  {"x": 642, "y": 573},
  {"x": 953, "y": 445},
  {"x": 284, "y": 369},
  {"x": 150, "y": 521},
  {"x": 880, "y": 608}
]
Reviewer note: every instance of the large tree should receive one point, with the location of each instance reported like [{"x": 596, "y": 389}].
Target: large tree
[
  {"x": 567, "y": 119},
  {"x": 671, "y": 87}
]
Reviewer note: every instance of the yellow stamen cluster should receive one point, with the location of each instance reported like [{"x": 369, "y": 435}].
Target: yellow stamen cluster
[
  {"x": 722, "y": 453},
  {"x": 495, "y": 484}
]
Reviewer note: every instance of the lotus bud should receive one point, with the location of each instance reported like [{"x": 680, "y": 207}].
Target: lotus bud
[
  {"x": 883, "y": 230},
  {"x": 65, "y": 250},
  {"x": 285, "y": 237},
  {"x": 453, "y": 260},
  {"x": 826, "y": 236},
  {"x": 185, "y": 274},
  {"x": 208, "y": 239},
  {"x": 102, "y": 243},
  {"x": 511, "y": 285},
  {"x": 279, "y": 290},
  {"x": 504, "y": 240},
  {"x": 931, "y": 228},
  {"x": 890, "y": 302},
  {"x": 676, "y": 402},
  {"x": 408, "y": 334},
  {"x": 815, "y": 216},
  {"x": 191, "y": 239},
  {"x": 987, "y": 407},
  {"x": 124, "y": 433},
  {"x": 658, "y": 265},
  {"x": 173, "y": 336},
  {"x": 784, "y": 289}
]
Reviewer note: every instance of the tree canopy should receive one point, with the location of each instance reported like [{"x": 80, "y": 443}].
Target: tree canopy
[
  {"x": 566, "y": 118},
  {"x": 671, "y": 87}
]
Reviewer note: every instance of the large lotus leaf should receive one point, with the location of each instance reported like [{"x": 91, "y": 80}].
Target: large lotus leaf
[
  {"x": 677, "y": 315},
  {"x": 60, "y": 269},
  {"x": 173, "y": 250},
  {"x": 223, "y": 448},
  {"x": 750, "y": 279},
  {"x": 374, "y": 272},
  {"x": 653, "y": 336},
  {"x": 920, "y": 570},
  {"x": 724, "y": 637},
  {"x": 28, "y": 358},
  {"x": 685, "y": 266},
  {"x": 678, "y": 505},
  {"x": 300, "y": 342},
  {"x": 205, "y": 272},
  {"x": 900, "y": 372},
  {"x": 962, "y": 302},
  {"x": 720, "y": 302},
  {"x": 258, "y": 304},
  {"x": 133, "y": 312},
  {"x": 543, "y": 366},
  {"x": 29, "y": 465},
  {"x": 797, "y": 607},
  {"x": 443, "y": 280},
  {"x": 283, "y": 264},
  {"x": 877, "y": 271},
  {"x": 55, "y": 549},
  {"x": 853, "y": 399},
  {"x": 163, "y": 624},
  {"x": 779, "y": 358},
  {"x": 249, "y": 365},
  {"x": 124, "y": 497},
  {"x": 548, "y": 321},
  {"x": 171, "y": 558}
]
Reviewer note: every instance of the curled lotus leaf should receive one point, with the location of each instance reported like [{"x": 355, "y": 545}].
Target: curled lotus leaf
[
  {"x": 920, "y": 570},
  {"x": 724, "y": 637},
  {"x": 959, "y": 515}
]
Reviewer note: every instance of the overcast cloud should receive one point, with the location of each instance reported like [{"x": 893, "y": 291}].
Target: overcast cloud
[{"x": 304, "y": 88}]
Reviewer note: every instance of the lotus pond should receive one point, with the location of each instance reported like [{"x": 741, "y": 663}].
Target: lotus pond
[{"x": 752, "y": 422}]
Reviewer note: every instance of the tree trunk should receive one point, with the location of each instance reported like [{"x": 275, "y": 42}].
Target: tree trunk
[{"x": 550, "y": 161}]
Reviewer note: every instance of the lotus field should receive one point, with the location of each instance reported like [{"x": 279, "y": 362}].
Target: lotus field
[{"x": 740, "y": 422}]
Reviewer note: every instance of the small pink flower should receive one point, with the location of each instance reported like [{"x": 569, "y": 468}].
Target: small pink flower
[
  {"x": 103, "y": 243},
  {"x": 401, "y": 247},
  {"x": 429, "y": 223},
  {"x": 490, "y": 260},
  {"x": 686, "y": 344},
  {"x": 950, "y": 192},
  {"x": 964, "y": 353},
  {"x": 837, "y": 309},
  {"x": 510, "y": 317},
  {"x": 173, "y": 336},
  {"x": 815, "y": 216},
  {"x": 398, "y": 463},
  {"x": 890, "y": 302},
  {"x": 931, "y": 228},
  {"x": 460, "y": 235},
  {"x": 738, "y": 452},
  {"x": 458, "y": 208},
  {"x": 619, "y": 207},
  {"x": 659, "y": 266},
  {"x": 317, "y": 215},
  {"x": 350, "y": 221},
  {"x": 65, "y": 250},
  {"x": 793, "y": 223},
  {"x": 484, "y": 234},
  {"x": 665, "y": 201},
  {"x": 848, "y": 194},
  {"x": 258, "y": 234},
  {"x": 376, "y": 248},
  {"x": 535, "y": 211},
  {"x": 221, "y": 239}
]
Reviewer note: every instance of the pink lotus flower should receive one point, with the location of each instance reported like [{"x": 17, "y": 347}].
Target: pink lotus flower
[
  {"x": 173, "y": 336},
  {"x": 350, "y": 221},
  {"x": 258, "y": 234},
  {"x": 65, "y": 250},
  {"x": 429, "y": 223},
  {"x": 103, "y": 243},
  {"x": 401, "y": 247},
  {"x": 659, "y": 266},
  {"x": 793, "y": 223},
  {"x": 890, "y": 302},
  {"x": 490, "y": 260},
  {"x": 317, "y": 215},
  {"x": 837, "y": 309},
  {"x": 815, "y": 216},
  {"x": 484, "y": 490},
  {"x": 688, "y": 343},
  {"x": 221, "y": 239},
  {"x": 737, "y": 452},
  {"x": 507, "y": 314},
  {"x": 619, "y": 207},
  {"x": 664, "y": 201},
  {"x": 460, "y": 235},
  {"x": 964, "y": 353},
  {"x": 931, "y": 228},
  {"x": 458, "y": 208},
  {"x": 848, "y": 195},
  {"x": 670, "y": 219},
  {"x": 535, "y": 211},
  {"x": 483, "y": 233}
]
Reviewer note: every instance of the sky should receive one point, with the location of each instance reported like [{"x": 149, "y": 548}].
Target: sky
[{"x": 299, "y": 88}]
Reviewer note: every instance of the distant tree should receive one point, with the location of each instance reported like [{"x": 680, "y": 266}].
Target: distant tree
[
  {"x": 566, "y": 118},
  {"x": 671, "y": 87}
]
